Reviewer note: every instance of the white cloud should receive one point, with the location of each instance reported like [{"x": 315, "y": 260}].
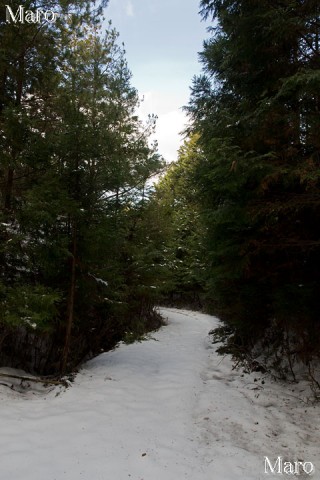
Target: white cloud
[
  {"x": 169, "y": 125},
  {"x": 129, "y": 9}
]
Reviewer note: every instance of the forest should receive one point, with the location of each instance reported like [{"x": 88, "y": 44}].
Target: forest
[{"x": 90, "y": 244}]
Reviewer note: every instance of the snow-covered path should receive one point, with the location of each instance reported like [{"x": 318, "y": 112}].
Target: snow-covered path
[{"x": 164, "y": 409}]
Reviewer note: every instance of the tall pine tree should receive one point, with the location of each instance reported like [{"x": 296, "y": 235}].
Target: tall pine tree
[
  {"x": 256, "y": 108},
  {"x": 74, "y": 156}
]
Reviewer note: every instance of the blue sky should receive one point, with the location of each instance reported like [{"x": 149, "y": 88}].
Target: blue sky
[{"x": 162, "y": 39}]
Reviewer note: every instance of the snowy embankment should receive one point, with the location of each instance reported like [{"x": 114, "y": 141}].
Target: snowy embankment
[{"x": 164, "y": 409}]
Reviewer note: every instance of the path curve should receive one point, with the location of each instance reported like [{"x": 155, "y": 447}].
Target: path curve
[{"x": 168, "y": 408}]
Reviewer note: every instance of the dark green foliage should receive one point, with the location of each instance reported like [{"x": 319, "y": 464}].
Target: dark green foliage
[
  {"x": 256, "y": 109},
  {"x": 183, "y": 254},
  {"x": 74, "y": 163}
]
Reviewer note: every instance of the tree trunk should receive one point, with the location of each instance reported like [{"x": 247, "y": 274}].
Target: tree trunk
[
  {"x": 71, "y": 297},
  {"x": 8, "y": 189}
]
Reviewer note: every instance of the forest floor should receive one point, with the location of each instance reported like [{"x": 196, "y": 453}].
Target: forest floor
[{"x": 167, "y": 408}]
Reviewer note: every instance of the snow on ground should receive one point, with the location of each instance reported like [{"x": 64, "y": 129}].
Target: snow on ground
[{"x": 168, "y": 408}]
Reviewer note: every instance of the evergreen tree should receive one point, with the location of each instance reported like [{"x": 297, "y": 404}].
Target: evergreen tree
[
  {"x": 256, "y": 108},
  {"x": 182, "y": 229},
  {"x": 75, "y": 155}
]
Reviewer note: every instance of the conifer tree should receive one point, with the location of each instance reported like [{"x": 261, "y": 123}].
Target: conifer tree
[
  {"x": 256, "y": 109},
  {"x": 74, "y": 156},
  {"x": 182, "y": 229}
]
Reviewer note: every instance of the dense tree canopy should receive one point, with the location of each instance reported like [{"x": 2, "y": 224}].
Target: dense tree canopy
[
  {"x": 255, "y": 110},
  {"x": 182, "y": 230},
  {"x": 75, "y": 159},
  {"x": 86, "y": 246}
]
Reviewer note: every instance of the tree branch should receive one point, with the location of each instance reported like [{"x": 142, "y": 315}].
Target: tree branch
[{"x": 36, "y": 379}]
